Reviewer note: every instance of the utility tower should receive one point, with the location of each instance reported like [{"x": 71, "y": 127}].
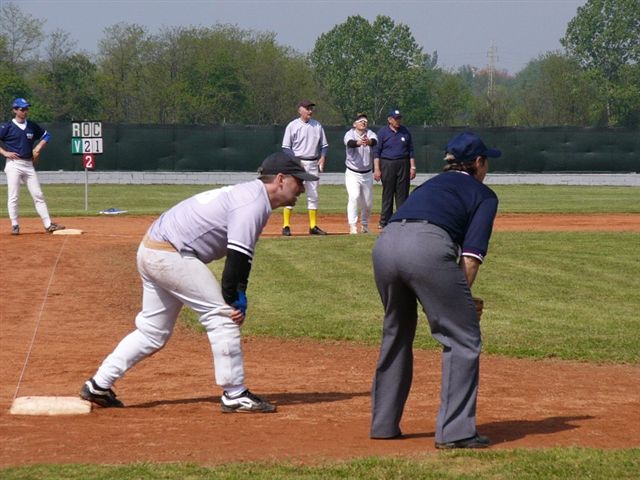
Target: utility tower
[{"x": 492, "y": 55}]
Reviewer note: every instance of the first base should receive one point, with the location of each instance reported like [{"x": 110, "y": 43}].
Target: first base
[
  {"x": 68, "y": 231},
  {"x": 50, "y": 406}
]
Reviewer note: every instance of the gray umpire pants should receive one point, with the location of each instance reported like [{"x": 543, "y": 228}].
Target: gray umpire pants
[{"x": 417, "y": 262}]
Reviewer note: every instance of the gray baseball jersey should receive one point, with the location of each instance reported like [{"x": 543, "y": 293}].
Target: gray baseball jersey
[
  {"x": 359, "y": 159},
  {"x": 211, "y": 222},
  {"x": 306, "y": 139}
]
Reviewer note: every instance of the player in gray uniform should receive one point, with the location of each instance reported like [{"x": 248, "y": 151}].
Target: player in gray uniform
[
  {"x": 358, "y": 177},
  {"x": 172, "y": 261},
  {"x": 304, "y": 138}
]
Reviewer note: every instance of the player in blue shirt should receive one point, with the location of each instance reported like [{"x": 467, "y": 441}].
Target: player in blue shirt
[
  {"x": 394, "y": 164},
  {"x": 19, "y": 137},
  {"x": 430, "y": 252}
]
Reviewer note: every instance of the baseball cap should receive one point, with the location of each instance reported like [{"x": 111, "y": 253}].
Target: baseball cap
[
  {"x": 306, "y": 103},
  {"x": 280, "y": 162},
  {"x": 466, "y": 146},
  {"x": 20, "y": 103},
  {"x": 395, "y": 113},
  {"x": 361, "y": 116}
]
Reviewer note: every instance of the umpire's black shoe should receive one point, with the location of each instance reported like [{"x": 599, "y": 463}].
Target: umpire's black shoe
[
  {"x": 316, "y": 231},
  {"x": 246, "y": 402},
  {"x": 100, "y": 396},
  {"x": 286, "y": 231},
  {"x": 478, "y": 441}
]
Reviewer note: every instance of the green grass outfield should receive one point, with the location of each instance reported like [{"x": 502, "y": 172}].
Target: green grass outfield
[
  {"x": 570, "y": 295},
  {"x": 68, "y": 200},
  {"x": 546, "y": 464}
]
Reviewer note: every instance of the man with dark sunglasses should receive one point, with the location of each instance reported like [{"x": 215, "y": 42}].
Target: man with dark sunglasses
[{"x": 18, "y": 138}]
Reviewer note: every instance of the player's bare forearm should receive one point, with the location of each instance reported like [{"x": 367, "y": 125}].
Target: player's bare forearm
[
  {"x": 470, "y": 267},
  {"x": 8, "y": 154}
]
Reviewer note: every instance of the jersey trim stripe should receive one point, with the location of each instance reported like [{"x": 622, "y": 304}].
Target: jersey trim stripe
[
  {"x": 474, "y": 255},
  {"x": 238, "y": 247}
]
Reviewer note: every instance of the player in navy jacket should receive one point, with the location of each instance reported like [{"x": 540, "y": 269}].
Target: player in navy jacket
[
  {"x": 430, "y": 252},
  {"x": 19, "y": 137}
]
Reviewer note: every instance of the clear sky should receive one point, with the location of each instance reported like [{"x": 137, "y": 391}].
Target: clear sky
[{"x": 460, "y": 31}]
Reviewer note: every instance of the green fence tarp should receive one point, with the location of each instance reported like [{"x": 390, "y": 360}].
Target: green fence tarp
[{"x": 242, "y": 148}]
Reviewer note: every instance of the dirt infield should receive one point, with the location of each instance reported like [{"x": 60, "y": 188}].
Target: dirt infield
[{"x": 70, "y": 288}]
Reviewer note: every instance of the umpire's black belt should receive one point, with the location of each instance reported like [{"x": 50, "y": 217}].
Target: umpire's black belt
[
  {"x": 410, "y": 220},
  {"x": 359, "y": 171}
]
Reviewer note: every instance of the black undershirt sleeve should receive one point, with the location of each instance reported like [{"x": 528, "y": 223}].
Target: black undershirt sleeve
[
  {"x": 354, "y": 143},
  {"x": 235, "y": 275}
]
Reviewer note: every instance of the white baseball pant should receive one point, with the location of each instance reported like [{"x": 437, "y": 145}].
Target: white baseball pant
[
  {"x": 311, "y": 188},
  {"x": 22, "y": 171},
  {"x": 169, "y": 280},
  {"x": 360, "y": 192}
]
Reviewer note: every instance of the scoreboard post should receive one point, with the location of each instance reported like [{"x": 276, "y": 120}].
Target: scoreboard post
[{"x": 86, "y": 140}]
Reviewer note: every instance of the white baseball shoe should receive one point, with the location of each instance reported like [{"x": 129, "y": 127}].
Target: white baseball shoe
[{"x": 246, "y": 402}]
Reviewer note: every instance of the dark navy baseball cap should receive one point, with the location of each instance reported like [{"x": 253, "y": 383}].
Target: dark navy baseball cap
[
  {"x": 395, "y": 113},
  {"x": 465, "y": 147},
  {"x": 306, "y": 103},
  {"x": 20, "y": 103},
  {"x": 280, "y": 162}
]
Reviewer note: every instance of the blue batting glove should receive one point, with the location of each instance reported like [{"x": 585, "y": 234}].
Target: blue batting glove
[{"x": 241, "y": 302}]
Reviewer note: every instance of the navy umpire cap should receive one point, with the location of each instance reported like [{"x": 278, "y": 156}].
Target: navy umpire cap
[
  {"x": 280, "y": 162},
  {"x": 20, "y": 103},
  {"x": 465, "y": 147},
  {"x": 394, "y": 113}
]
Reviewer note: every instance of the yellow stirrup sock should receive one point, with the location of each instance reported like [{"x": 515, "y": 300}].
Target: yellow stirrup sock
[
  {"x": 313, "y": 218},
  {"x": 286, "y": 217}
]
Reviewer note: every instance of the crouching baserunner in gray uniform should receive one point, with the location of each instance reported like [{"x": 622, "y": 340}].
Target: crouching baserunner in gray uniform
[
  {"x": 417, "y": 259},
  {"x": 172, "y": 261}
]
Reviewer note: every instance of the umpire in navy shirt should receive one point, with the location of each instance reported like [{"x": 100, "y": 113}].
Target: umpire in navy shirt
[
  {"x": 430, "y": 252},
  {"x": 394, "y": 164}
]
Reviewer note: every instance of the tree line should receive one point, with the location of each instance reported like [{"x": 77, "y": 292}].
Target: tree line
[{"x": 225, "y": 74}]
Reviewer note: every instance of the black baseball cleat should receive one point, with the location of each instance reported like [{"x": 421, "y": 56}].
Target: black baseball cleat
[
  {"x": 15, "y": 229},
  {"x": 246, "y": 402},
  {"x": 53, "y": 227},
  {"x": 286, "y": 231},
  {"x": 316, "y": 231},
  {"x": 477, "y": 441},
  {"x": 100, "y": 396}
]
